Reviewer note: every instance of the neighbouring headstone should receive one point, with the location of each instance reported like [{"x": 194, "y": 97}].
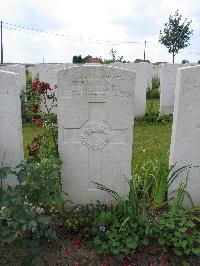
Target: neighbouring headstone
[
  {"x": 167, "y": 87},
  {"x": 11, "y": 143},
  {"x": 143, "y": 81},
  {"x": 21, "y": 70},
  {"x": 95, "y": 130},
  {"x": 47, "y": 73},
  {"x": 156, "y": 71},
  {"x": 185, "y": 141}
]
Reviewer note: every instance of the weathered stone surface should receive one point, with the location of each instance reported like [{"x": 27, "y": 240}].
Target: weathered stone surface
[
  {"x": 21, "y": 70},
  {"x": 185, "y": 142},
  {"x": 95, "y": 118},
  {"x": 167, "y": 87},
  {"x": 156, "y": 71},
  {"x": 143, "y": 81},
  {"x": 47, "y": 73},
  {"x": 11, "y": 144}
]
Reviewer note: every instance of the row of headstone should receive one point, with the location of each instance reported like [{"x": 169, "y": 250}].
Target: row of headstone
[
  {"x": 95, "y": 128},
  {"x": 144, "y": 74}
]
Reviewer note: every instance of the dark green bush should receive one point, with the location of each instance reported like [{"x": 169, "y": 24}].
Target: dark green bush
[
  {"x": 180, "y": 230},
  {"x": 154, "y": 91}
]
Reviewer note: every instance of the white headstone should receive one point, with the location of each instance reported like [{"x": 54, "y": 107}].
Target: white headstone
[
  {"x": 156, "y": 71},
  {"x": 95, "y": 134},
  {"x": 167, "y": 87},
  {"x": 185, "y": 142},
  {"x": 21, "y": 70},
  {"x": 143, "y": 81},
  {"x": 11, "y": 143}
]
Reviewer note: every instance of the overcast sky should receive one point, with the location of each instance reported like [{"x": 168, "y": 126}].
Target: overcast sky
[{"x": 93, "y": 27}]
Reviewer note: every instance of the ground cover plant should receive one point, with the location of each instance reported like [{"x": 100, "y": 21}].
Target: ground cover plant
[{"x": 138, "y": 229}]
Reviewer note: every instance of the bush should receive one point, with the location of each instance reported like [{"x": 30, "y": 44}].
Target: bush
[
  {"x": 26, "y": 209},
  {"x": 180, "y": 230},
  {"x": 154, "y": 92}
]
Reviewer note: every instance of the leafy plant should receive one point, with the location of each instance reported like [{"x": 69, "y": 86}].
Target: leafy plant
[
  {"x": 125, "y": 226},
  {"x": 26, "y": 209},
  {"x": 81, "y": 217},
  {"x": 155, "y": 173},
  {"x": 154, "y": 91},
  {"x": 180, "y": 230},
  {"x": 113, "y": 234},
  {"x": 176, "y": 34}
]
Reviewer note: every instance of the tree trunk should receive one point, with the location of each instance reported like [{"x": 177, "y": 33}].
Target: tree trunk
[{"x": 173, "y": 57}]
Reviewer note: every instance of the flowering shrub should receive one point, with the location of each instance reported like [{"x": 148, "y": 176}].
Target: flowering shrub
[{"x": 26, "y": 209}]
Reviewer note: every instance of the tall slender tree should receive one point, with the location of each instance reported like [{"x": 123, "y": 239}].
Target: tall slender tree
[{"x": 176, "y": 34}]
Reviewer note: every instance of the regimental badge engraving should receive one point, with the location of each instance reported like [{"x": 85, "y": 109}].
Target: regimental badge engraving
[{"x": 95, "y": 135}]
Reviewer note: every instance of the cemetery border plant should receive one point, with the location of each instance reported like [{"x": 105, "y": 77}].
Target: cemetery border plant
[
  {"x": 133, "y": 221},
  {"x": 154, "y": 91},
  {"x": 26, "y": 209}
]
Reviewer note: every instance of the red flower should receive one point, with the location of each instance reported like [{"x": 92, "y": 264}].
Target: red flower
[
  {"x": 33, "y": 119},
  {"x": 106, "y": 264},
  {"x": 37, "y": 138},
  {"x": 77, "y": 264},
  {"x": 68, "y": 251},
  {"x": 33, "y": 149},
  {"x": 77, "y": 244},
  {"x": 150, "y": 263},
  {"x": 43, "y": 87},
  {"x": 164, "y": 261},
  {"x": 138, "y": 257},
  {"x": 39, "y": 123},
  {"x": 35, "y": 84}
]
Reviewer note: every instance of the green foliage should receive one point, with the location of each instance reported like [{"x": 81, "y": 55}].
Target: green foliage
[
  {"x": 81, "y": 217},
  {"x": 180, "y": 230},
  {"x": 118, "y": 236},
  {"x": 120, "y": 230},
  {"x": 185, "y": 61},
  {"x": 26, "y": 209},
  {"x": 77, "y": 59},
  {"x": 176, "y": 34},
  {"x": 152, "y": 115},
  {"x": 114, "y": 58},
  {"x": 154, "y": 91},
  {"x": 155, "y": 173}
]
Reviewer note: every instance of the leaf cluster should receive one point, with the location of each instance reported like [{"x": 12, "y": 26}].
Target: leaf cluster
[{"x": 176, "y": 34}]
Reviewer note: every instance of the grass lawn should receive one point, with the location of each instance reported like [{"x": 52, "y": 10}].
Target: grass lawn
[
  {"x": 148, "y": 141},
  {"x": 149, "y": 138}
]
